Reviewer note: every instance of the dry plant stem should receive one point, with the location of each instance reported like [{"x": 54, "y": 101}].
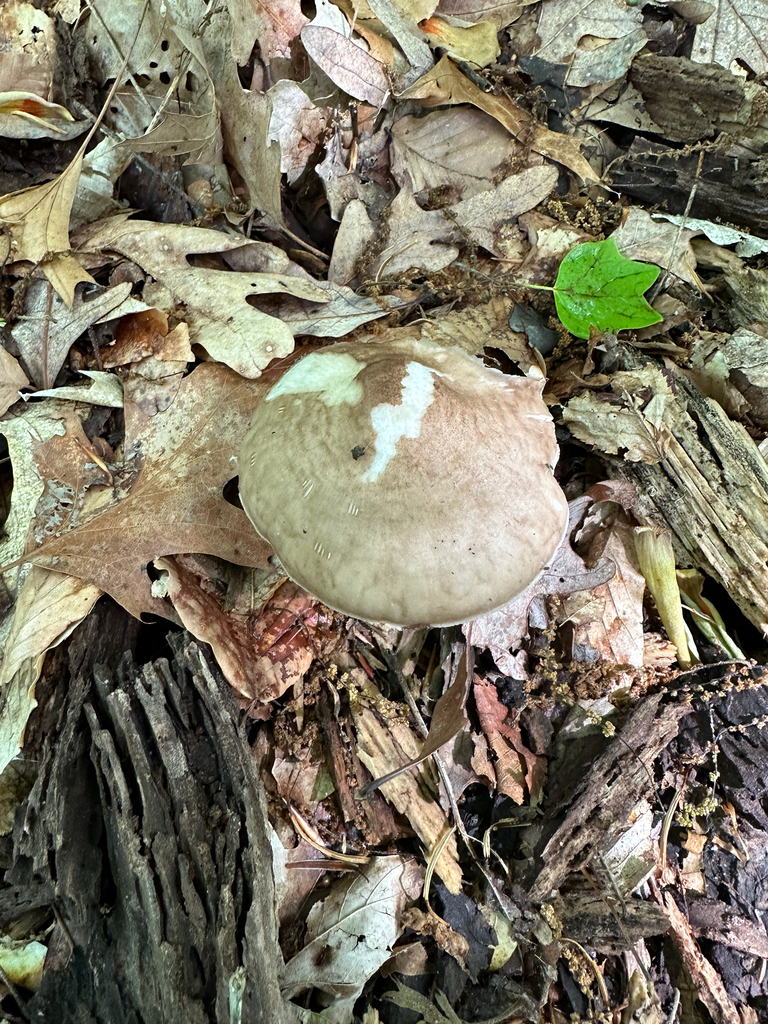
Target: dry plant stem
[
  {"x": 657, "y": 564},
  {"x": 593, "y": 968},
  {"x": 662, "y": 282},
  {"x": 667, "y": 825}
]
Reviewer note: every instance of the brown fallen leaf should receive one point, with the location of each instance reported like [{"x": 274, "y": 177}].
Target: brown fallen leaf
[
  {"x": 346, "y": 64},
  {"x": 175, "y": 504},
  {"x": 445, "y": 84},
  {"x": 514, "y": 764},
  {"x": 609, "y": 618}
]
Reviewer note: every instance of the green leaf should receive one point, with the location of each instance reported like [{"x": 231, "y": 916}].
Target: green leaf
[{"x": 597, "y": 286}]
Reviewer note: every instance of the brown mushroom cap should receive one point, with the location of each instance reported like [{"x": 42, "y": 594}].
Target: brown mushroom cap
[{"x": 404, "y": 482}]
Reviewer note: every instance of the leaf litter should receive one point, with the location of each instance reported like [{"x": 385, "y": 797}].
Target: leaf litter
[{"x": 259, "y": 179}]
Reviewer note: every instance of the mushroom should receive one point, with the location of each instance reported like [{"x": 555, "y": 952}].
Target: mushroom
[{"x": 404, "y": 482}]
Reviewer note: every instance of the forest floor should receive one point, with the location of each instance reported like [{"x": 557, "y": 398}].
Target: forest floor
[{"x": 221, "y": 800}]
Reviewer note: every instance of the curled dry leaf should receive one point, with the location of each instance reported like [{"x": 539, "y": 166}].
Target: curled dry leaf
[
  {"x": 445, "y": 84},
  {"x": 262, "y": 655},
  {"x": 608, "y": 619},
  {"x": 477, "y": 44},
  {"x": 23, "y": 115},
  {"x": 48, "y": 608},
  {"x": 12, "y": 377}
]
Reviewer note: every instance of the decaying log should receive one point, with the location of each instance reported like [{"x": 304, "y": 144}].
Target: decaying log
[
  {"x": 649, "y": 170},
  {"x": 711, "y": 489},
  {"x": 145, "y": 837},
  {"x": 589, "y": 819}
]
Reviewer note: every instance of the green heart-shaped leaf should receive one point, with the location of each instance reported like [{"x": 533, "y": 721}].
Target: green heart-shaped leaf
[{"x": 597, "y": 286}]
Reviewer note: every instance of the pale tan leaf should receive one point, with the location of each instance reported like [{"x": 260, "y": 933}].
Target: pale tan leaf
[
  {"x": 414, "y": 238},
  {"x": 351, "y": 932},
  {"x": 628, "y": 423},
  {"x": 445, "y": 84},
  {"x": 230, "y": 329},
  {"x": 65, "y": 274},
  {"x": 26, "y": 432},
  {"x": 488, "y": 216},
  {"x": 245, "y": 118},
  {"x": 457, "y": 148},
  {"x": 12, "y": 377},
  {"x": 38, "y": 217},
  {"x": 275, "y": 23},
  {"x": 640, "y": 237},
  {"x": 563, "y": 24},
  {"x": 296, "y": 124},
  {"x": 737, "y": 30},
  {"x": 347, "y": 64},
  {"x": 193, "y": 134},
  {"x": 101, "y": 389},
  {"x": 48, "y": 608}
]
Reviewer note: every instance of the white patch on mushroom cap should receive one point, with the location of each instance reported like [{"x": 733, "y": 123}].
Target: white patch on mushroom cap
[
  {"x": 331, "y": 375},
  {"x": 391, "y": 422}
]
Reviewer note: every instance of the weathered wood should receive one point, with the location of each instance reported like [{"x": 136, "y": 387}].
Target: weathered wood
[
  {"x": 600, "y": 806},
  {"x": 711, "y": 489},
  {"x": 147, "y": 823},
  {"x": 650, "y": 172}
]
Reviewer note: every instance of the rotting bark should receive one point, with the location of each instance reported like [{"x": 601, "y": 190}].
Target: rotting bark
[
  {"x": 711, "y": 489},
  {"x": 589, "y": 819},
  {"x": 145, "y": 835},
  {"x": 649, "y": 170}
]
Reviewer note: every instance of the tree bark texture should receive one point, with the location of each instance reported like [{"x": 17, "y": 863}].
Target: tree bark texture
[{"x": 144, "y": 841}]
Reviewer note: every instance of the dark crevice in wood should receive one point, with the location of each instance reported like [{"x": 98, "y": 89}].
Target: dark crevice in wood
[{"x": 143, "y": 843}]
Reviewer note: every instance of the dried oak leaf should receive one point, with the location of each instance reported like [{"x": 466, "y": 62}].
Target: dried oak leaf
[{"x": 175, "y": 504}]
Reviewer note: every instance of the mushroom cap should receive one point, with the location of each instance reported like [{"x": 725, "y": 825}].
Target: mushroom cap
[{"x": 404, "y": 482}]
